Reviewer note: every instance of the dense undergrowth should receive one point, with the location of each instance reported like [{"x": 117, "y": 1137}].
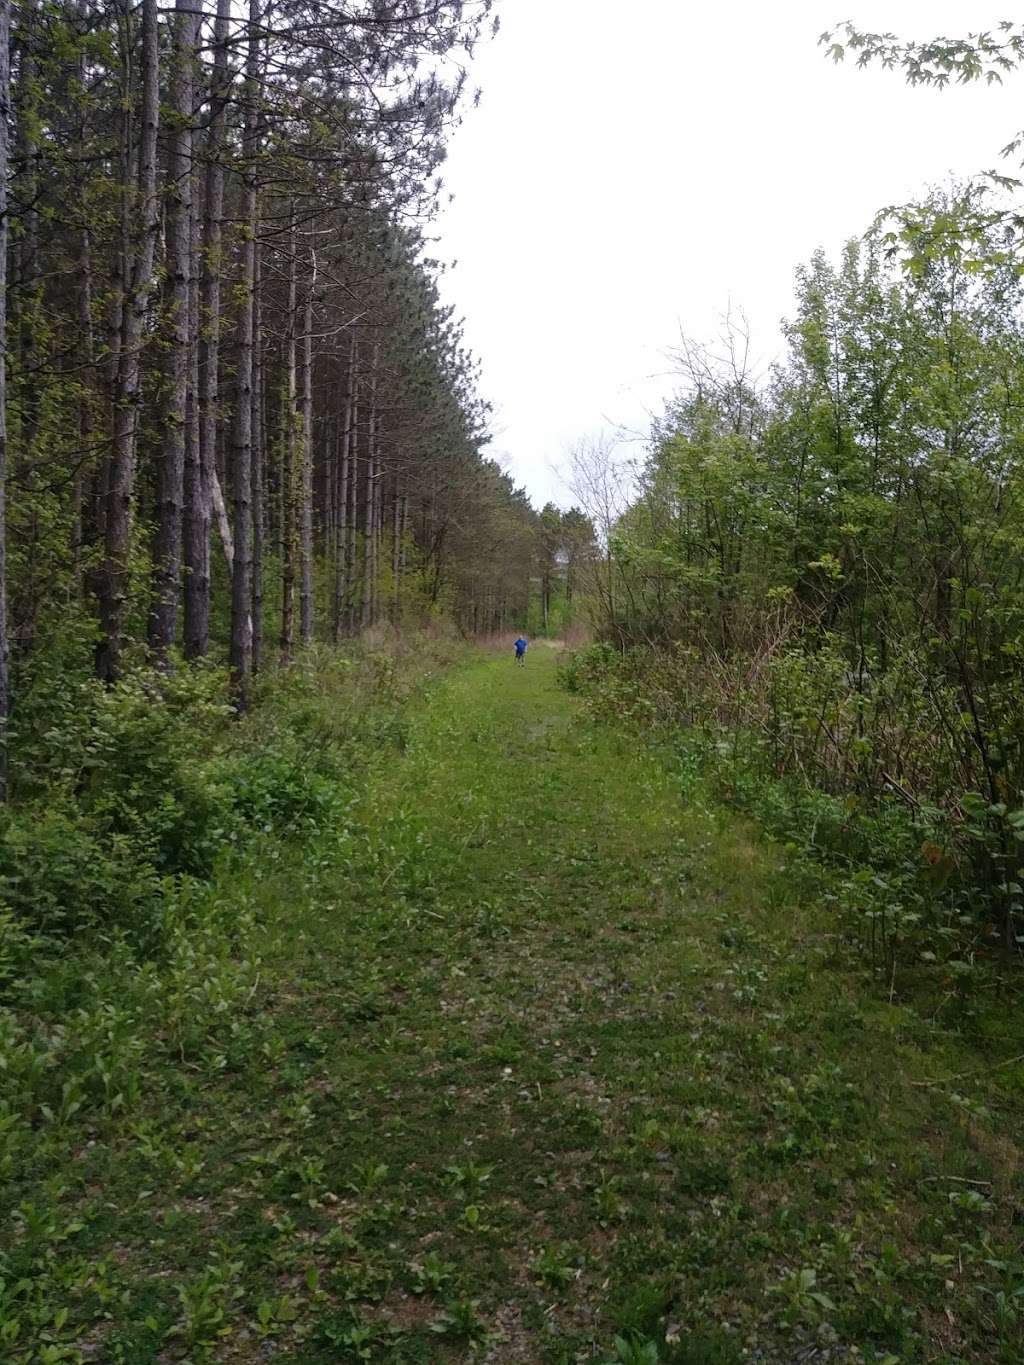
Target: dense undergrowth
[
  {"x": 922, "y": 890},
  {"x": 145, "y": 822},
  {"x": 126, "y": 801}
]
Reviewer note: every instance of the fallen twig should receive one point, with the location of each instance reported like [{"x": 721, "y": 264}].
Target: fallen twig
[{"x": 962, "y": 1075}]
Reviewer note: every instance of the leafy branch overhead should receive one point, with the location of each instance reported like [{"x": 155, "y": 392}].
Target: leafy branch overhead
[
  {"x": 983, "y": 56},
  {"x": 987, "y": 56}
]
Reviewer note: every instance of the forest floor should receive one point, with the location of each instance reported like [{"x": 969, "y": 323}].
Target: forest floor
[{"x": 545, "y": 1051}]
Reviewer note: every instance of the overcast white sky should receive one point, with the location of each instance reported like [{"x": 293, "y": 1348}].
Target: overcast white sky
[{"x": 634, "y": 166}]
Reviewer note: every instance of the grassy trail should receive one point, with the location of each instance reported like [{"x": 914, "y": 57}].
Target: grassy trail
[{"x": 543, "y": 1052}]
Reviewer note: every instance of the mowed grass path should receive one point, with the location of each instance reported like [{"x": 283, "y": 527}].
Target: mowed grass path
[{"x": 545, "y": 1051}]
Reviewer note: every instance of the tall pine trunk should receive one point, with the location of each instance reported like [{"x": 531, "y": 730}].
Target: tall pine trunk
[
  {"x": 192, "y": 409},
  {"x": 306, "y": 489},
  {"x": 378, "y": 530},
  {"x": 120, "y": 490},
  {"x": 353, "y": 503},
  {"x": 396, "y": 552},
  {"x": 343, "y": 585},
  {"x": 201, "y": 470},
  {"x": 5, "y": 118},
  {"x": 370, "y": 528},
  {"x": 25, "y": 260},
  {"x": 288, "y": 462},
  {"x": 343, "y": 522},
  {"x": 240, "y": 651},
  {"x": 258, "y": 466},
  {"x": 83, "y": 492},
  {"x": 163, "y": 619}
]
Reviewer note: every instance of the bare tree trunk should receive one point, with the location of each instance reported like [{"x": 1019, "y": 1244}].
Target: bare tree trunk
[
  {"x": 366, "y": 613},
  {"x": 306, "y": 488},
  {"x": 370, "y": 530},
  {"x": 396, "y": 552},
  {"x": 240, "y": 653},
  {"x": 163, "y": 619},
  {"x": 201, "y": 476},
  {"x": 220, "y": 516},
  {"x": 192, "y": 407},
  {"x": 353, "y": 511},
  {"x": 343, "y": 530},
  {"x": 5, "y": 118},
  {"x": 288, "y": 459},
  {"x": 378, "y": 532},
  {"x": 258, "y": 468},
  {"x": 126, "y": 171},
  {"x": 25, "y": 254},
  {"x": 127, "y": 392},
  {"x": 82, "y": 489},
  {"x": 403, "y": 532},
  {"x": 280, "y": 477},
  {"x": 82, "y": 492},
  {"x": 332, "y": 457}
]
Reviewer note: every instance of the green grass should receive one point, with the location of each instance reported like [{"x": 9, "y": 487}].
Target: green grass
[{"x": 536, "y": 1049}]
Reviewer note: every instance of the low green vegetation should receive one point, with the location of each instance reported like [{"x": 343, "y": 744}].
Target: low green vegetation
[
  {"x": 499, "y": 1040},
  {"x": 902, "y": 874}
]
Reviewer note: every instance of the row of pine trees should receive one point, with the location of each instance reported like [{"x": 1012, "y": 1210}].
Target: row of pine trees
[{"x": 238, "y": 414}]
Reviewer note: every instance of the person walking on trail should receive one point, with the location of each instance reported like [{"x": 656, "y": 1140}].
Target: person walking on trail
[{"x": 521, "y": 650}]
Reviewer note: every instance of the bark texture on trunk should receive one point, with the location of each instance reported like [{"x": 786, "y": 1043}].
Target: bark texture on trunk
[
  {"x": 5, "y": 116},
  {"x": 202, "y": 473},
  {"x": 167, "y": 544},
  {"x": 306, "y": 482},
  {"x": 288, "y": 462},
  {"x": 343, "y": 527},
  {"x": 370, "y": 526},
  {"x": 120, "y": 490},
  {"x": 258, "y": 465},
  {"x": 240, "y": 652}
]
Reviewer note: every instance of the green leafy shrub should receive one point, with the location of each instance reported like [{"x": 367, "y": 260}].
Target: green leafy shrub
[
  {"x": 126, "y": 797},
  {"x": 116, "y": 800},
  {"x": 61, "y": 874}
]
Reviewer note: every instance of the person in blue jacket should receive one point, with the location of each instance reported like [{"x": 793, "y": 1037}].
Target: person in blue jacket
[{"x": 521, "y": 650}]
